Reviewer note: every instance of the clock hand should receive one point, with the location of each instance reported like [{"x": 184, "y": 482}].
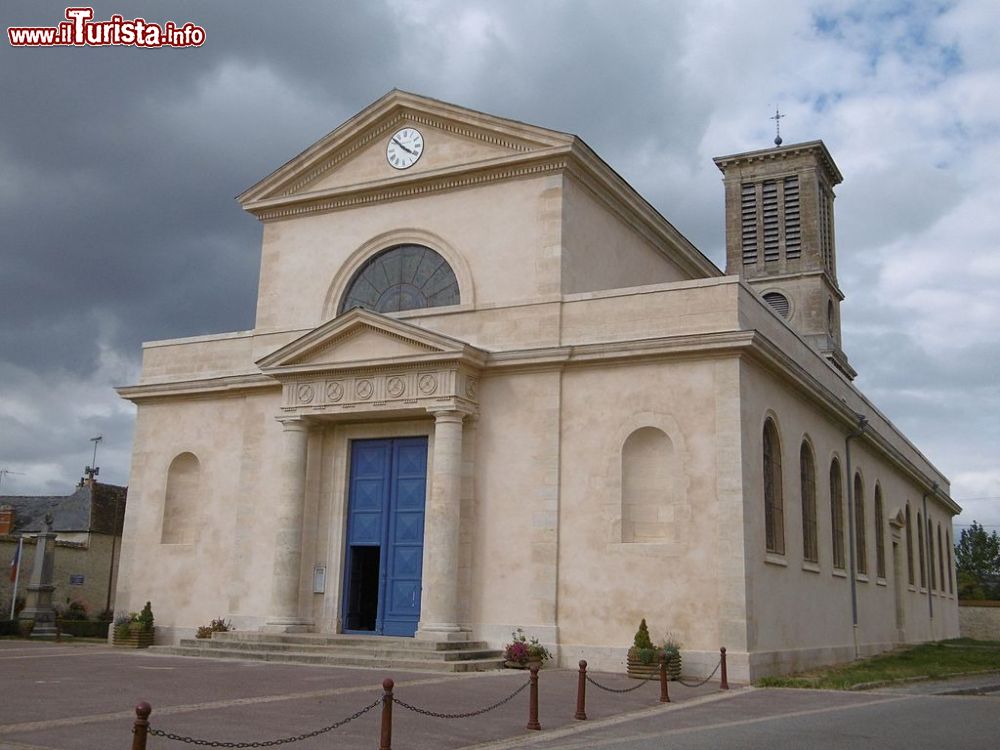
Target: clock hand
[{"x": 407, "y": 150}]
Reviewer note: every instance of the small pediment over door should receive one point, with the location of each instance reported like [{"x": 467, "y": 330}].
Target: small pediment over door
[{"x": 364, "y": 361}]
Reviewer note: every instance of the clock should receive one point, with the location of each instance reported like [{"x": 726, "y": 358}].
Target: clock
[{"x": 404, "y": 148}]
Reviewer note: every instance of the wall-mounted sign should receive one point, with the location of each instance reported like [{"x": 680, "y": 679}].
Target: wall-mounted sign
[
  {"x": 319, "y": 579},
  {"x": 76, "y": 579}
]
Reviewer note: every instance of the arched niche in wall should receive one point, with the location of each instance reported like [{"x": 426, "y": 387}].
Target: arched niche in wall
[
  {"x": 646, "y": 488},
  {"x": 181, "y": 500}
]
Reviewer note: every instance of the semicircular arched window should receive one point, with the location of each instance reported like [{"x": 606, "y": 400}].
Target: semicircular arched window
[{"x": 405, "y": 277}]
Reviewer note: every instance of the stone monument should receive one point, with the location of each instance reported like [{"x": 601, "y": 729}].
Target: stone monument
[{"x": 40, "y": 587}]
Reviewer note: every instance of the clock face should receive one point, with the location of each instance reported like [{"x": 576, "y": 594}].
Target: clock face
[{"x": 404, "y": 148}]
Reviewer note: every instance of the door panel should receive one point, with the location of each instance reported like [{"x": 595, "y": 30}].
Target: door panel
[{"x": 387, "y": 490}]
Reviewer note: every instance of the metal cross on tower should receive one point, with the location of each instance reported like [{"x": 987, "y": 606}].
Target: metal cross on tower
[{"x": 777, "y": 126}]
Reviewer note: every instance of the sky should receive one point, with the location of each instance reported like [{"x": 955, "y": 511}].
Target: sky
[{"x": 119, "y": 165}]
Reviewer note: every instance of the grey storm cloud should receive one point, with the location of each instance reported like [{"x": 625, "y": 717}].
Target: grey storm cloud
[{"x": 118, "y": 168}]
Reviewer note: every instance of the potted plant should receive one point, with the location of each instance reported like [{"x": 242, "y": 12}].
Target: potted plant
[
  {"x": 134, "y": 630},
  {"x": 643, "y": 658},
  {"x": 217, "y": 625},
  {"x": 523, "y": 651},
  {"x": 672, "y": 652}
]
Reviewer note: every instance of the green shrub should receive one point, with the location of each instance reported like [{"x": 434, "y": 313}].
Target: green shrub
[
  {"x": 83, "y": 628},
  {"x": 8, "y": 627}
]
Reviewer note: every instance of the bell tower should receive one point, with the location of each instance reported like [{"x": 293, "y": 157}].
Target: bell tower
[{"x": 780, "y": 237}]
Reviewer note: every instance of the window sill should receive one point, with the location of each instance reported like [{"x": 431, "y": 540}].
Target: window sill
[
  {"x": 881, "y": 582},
  {"x": 912, "y": 588},
  {"x": 861, "y": 577},
  {"x": 810, "y": 567},
  {"x": 772, "y": 558},
  {"x": 840, "y": 573}
]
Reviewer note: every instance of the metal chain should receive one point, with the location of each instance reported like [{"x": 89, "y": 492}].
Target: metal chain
[
  {"x": 595, "y": 683},
  {"x": 699, "y": 684},
  {"x": 268, "y": 743},
  {"x": 465, "y": 715}
]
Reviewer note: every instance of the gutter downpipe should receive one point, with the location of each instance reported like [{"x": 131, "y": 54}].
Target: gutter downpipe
[
  {"x": 858, "y": 432},
  {"x": 925, "y": 540}
]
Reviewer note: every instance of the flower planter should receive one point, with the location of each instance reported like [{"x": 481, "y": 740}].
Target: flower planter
[
  {"x": 522, "y": 664},
  {"x": 134, "y": 639},
  {"x": 651, "y": 671},
  {"x": 639, "y": 671}
]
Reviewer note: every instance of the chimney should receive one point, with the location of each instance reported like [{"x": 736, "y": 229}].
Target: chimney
[{"x": 6, "y": 519}]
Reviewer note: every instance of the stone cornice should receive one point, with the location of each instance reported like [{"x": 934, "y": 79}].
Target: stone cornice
[
  {"x": 781, "y": 153},
  {"x": 534, "y": 163},
  {"x": 232, "y": 385},
  {"x": 377, "y": 119}
]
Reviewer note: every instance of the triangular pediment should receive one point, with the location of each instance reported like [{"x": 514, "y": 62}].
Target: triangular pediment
[
  {"x": 361, "y": 338},
  {"x": 354, "y": 155}
]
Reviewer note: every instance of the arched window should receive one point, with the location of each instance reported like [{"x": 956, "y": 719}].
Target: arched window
[
  {"x": 909, "y": 545},
  {"x": 920, "y": 548},
  {"x": 647, "y": 469},
  {"x": 405, "y": 277},
  {"x": 774, "y": 521},
  {"x": 879, "y": 533},
  {"x": 807, "y": 471},
  {"x": 837, "y": 514},
  {"x": 861, "y": 548},
  {"x": 930, "y": 552},
  {"x": 181, "y": 502},
  {"x": 940, "y": 557},
  {"x": 951, "y": 570}
]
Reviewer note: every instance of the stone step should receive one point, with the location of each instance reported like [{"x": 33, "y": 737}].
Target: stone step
[
  {"x": 336, "y": 658},
  {"x": 392, "y": 650},
  {"x": 330, "y": 639}
]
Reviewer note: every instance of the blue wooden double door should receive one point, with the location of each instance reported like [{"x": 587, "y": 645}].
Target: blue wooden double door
[{"x": 385, "y": 536}]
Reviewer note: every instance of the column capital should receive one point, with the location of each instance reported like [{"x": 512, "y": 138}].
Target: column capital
[
  {"x": 447, "y": 414},
  {"x": 293, "y": 424}
]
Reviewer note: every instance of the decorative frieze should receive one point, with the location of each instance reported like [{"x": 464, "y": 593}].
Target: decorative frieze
[{"x": 453, "y": 386}]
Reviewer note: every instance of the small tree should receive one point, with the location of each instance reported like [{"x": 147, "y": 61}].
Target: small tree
[{"x": 977, "y": 559}]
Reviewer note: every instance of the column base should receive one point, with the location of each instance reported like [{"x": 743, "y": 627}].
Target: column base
[{"x": 447, "y": 633}]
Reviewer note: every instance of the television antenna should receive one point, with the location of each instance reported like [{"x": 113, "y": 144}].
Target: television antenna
[
  {"x": 5, "y": 472},
  {"x": 93, "y": 470}
]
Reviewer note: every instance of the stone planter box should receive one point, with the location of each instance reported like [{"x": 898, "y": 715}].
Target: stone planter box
[{"x": 135, "y": 639}]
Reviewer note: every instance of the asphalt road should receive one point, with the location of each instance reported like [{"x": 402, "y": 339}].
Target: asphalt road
[{"x": 918, "y": 716}]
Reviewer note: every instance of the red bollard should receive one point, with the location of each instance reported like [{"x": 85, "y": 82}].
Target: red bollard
[
  {"x": 725, "y": 678},
  {"x": 533, "y": 700},
  {"x": 581, "y": 693},
  {"x": 385, "y": 741},
  {"x": 139, "y": 729},
  {"x": 664, "y": 695}
]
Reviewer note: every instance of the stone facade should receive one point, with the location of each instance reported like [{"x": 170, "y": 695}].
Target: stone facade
[{"x": 592, "y": 408}]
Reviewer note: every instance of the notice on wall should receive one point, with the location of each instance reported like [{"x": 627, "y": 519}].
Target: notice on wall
[
  {"x": 76, "y": 579},
  {"x": 319, "y": 579}
]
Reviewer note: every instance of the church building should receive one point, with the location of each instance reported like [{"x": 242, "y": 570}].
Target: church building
[{"x": 490, "y": 386}]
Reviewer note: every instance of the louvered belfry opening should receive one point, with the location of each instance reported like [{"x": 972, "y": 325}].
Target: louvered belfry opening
[{"x": 770, "y": 210}]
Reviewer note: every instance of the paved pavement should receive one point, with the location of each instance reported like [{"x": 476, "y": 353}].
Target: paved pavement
[{"x": 81, "y": 696}]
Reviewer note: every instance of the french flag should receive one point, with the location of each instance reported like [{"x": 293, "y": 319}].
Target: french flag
[{"x": 14, "y": 563}]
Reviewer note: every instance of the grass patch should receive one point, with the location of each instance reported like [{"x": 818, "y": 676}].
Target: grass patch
[{"x": 932, "y": 660}]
